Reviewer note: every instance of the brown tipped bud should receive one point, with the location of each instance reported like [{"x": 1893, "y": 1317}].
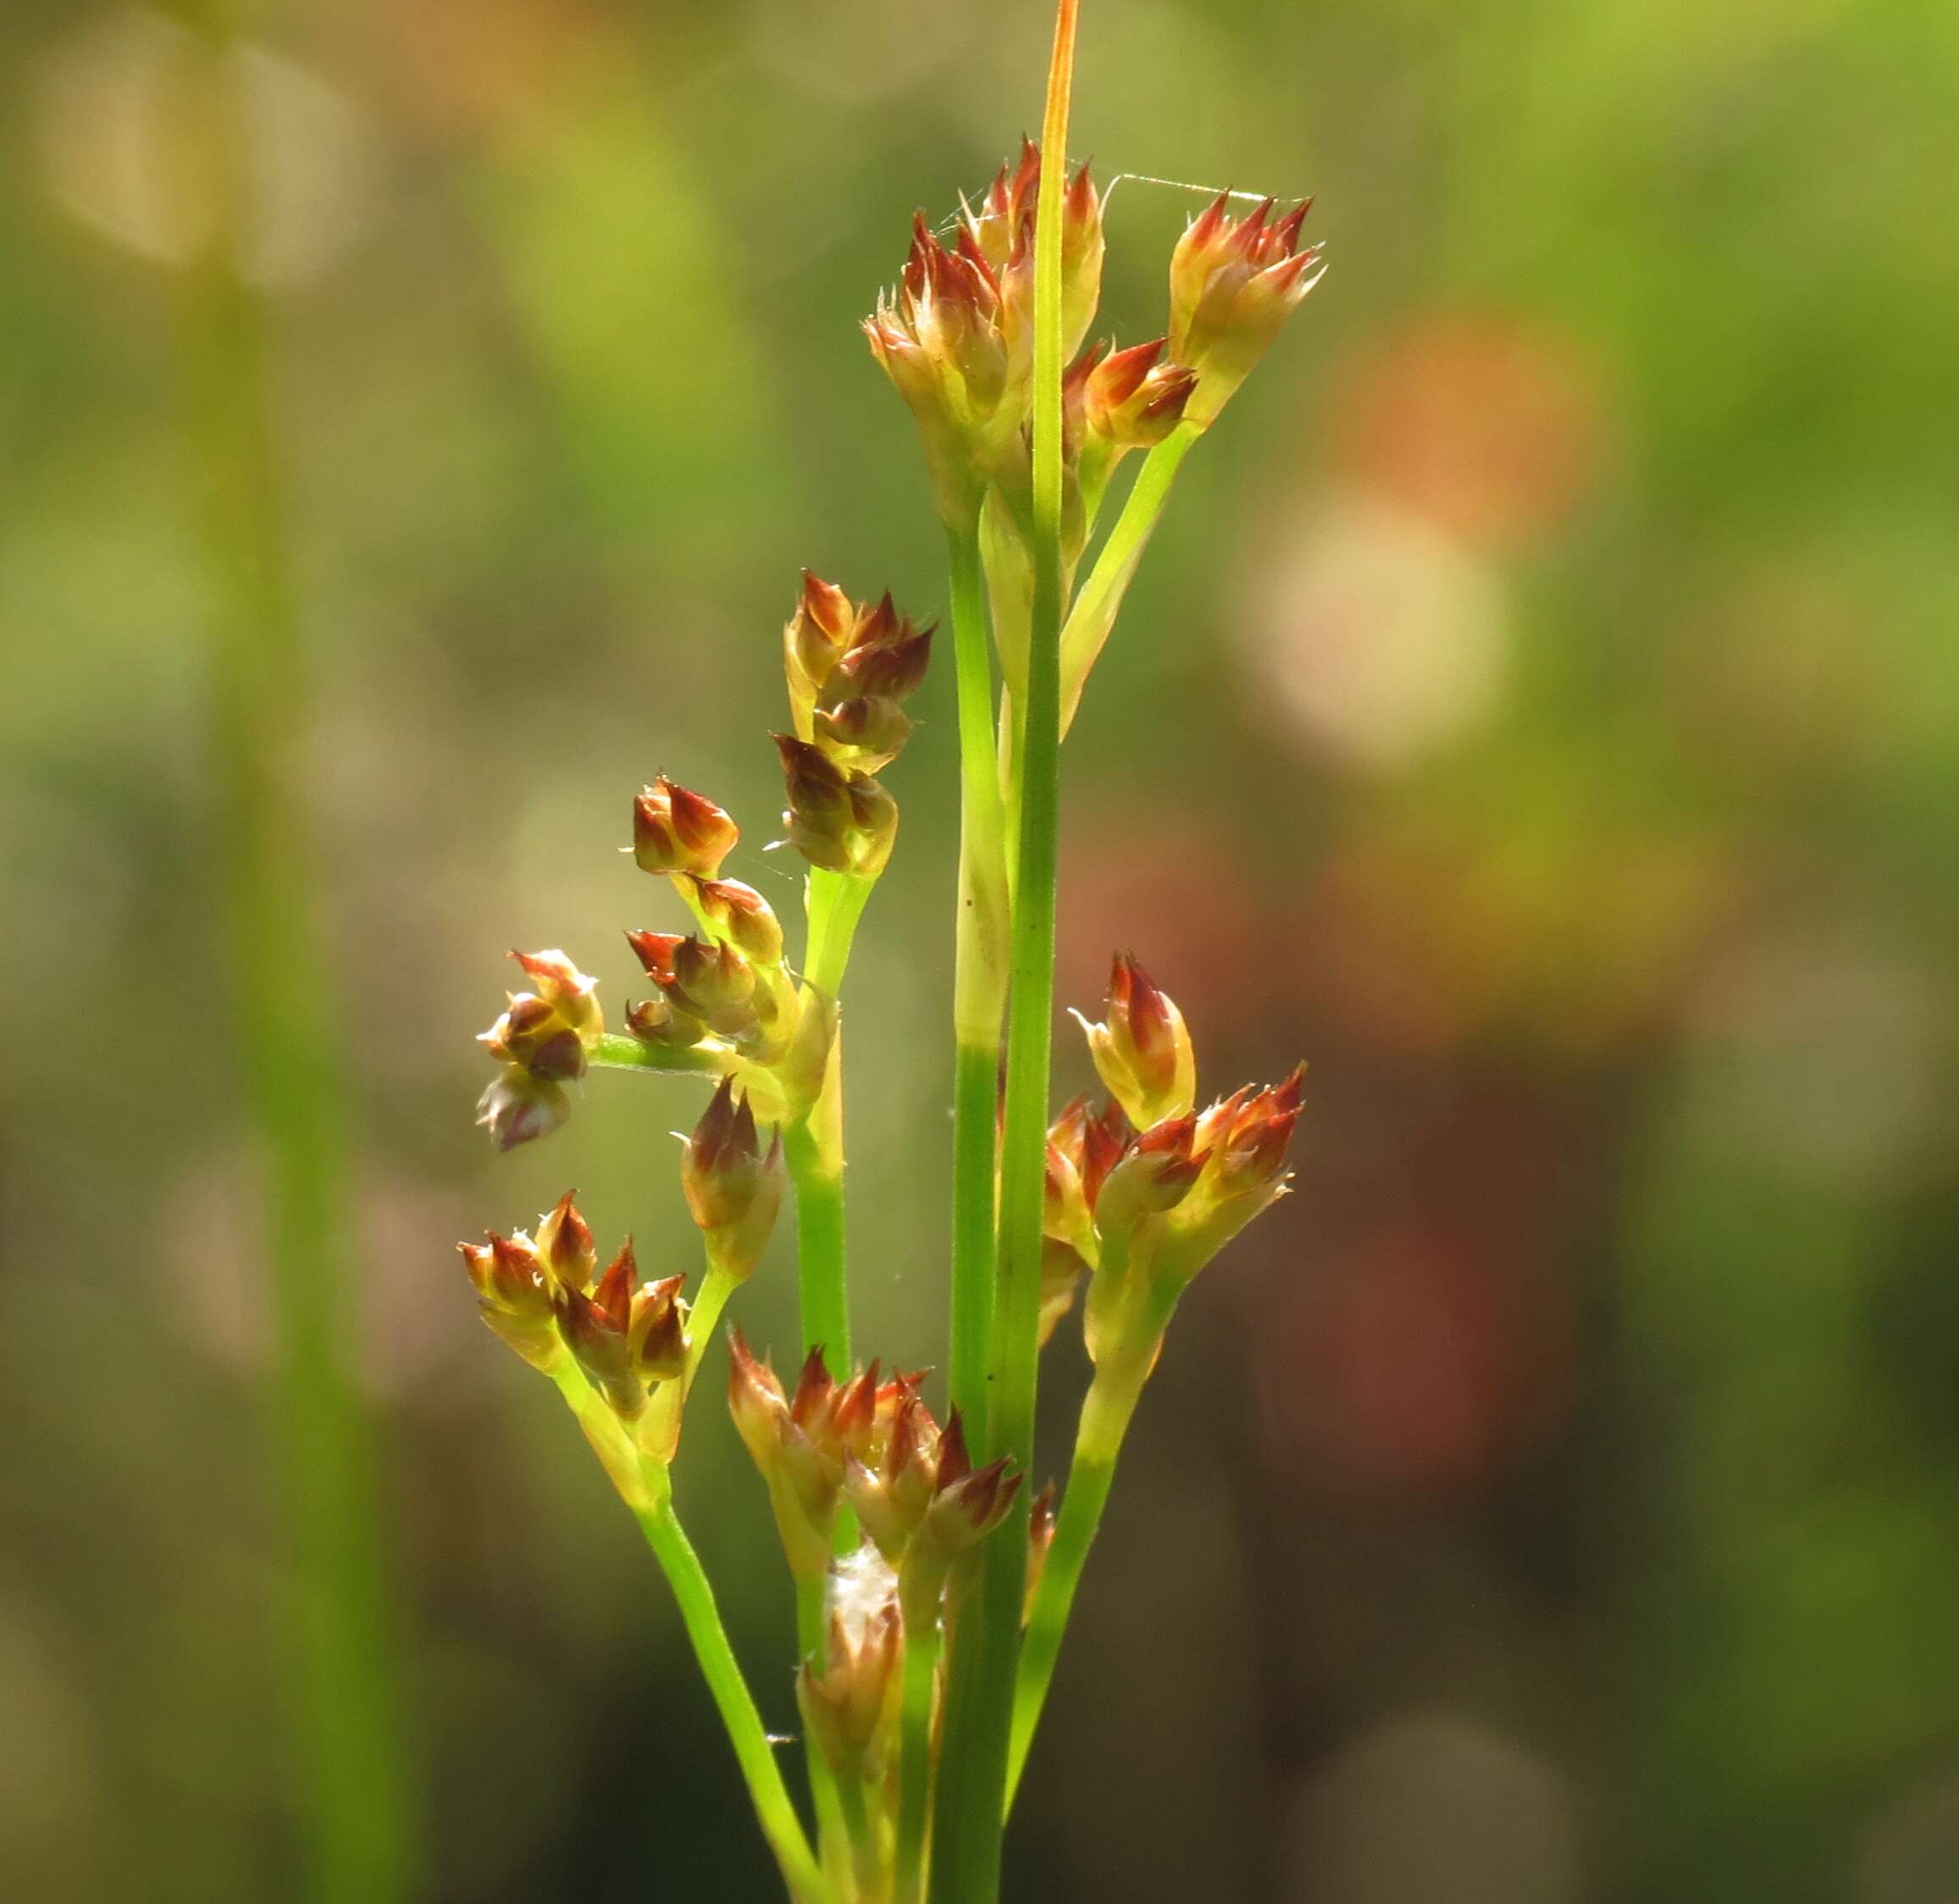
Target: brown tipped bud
[
  {"x": 519, "y": 1106},
  {"x": 862, "y": 735},
  {"x": 547, "y": 1033},
  {"x": 795, "y": 1450},
  {"x": 715, "y": 981},
  {"x": 565, "y": 1246},
  {"x": 849, "y": 1699},
  {"x": 1040, "y": 1538},
  {"x": 513, "y": 1295},
  {"x": 1065, "y": 1217},
  {"x": 657, "y": 1330},
  {"x": 1159, "y": 1171},
  {"x": 842, "y": 821},
  {"x": 815, "y": 639},
  {"x": 733, "y": 1188},
  {"x": 741, "y": 917},
  {"x": 1142, "y": 1049},
  {"x": 1244, "y": 1139},
  {"x": 595, "y": 1328},
  {"x": 1233, "y": 282},
  {"x": 675, "y": 831},
  {"x": 966, "y": 1511}
]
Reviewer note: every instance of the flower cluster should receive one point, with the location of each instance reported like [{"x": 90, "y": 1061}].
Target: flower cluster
[
  {"x": 543, "y": 1041},
  {"x": 1142, "y": 1194}
]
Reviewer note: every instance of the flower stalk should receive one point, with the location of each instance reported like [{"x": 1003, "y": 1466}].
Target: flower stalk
[{"x": 931, "y": 1597}]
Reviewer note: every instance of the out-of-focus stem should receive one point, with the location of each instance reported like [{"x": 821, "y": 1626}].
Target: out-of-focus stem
[
  {"x": 773, "y": 1807},
  {"x": 1096, "y": 602},
  {"x": 356, "y": 1805},
  {"x": 979, "y": 984},
  {"x": 971, "y": 1800}
]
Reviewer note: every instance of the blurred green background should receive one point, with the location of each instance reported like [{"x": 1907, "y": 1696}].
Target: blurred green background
[{"x": 1540, "y": 711}]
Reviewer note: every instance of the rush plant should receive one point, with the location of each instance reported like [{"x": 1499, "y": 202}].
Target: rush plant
[{"x": 932, "y": 1587}]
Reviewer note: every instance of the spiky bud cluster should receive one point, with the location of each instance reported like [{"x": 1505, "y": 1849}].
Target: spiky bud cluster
[
  {"x": 912, "y": 1483},
  {"x": 1147, "y": 1190},
  {"x": 956, "y": 335},
  {"x": 837, "y": 818},
  {"x": 849, "y": 1697},
  {"x": 1114, "y": 401},
  {"x": 543, "y": 1041},
  {"x": 850, "y": 668},
  {"x": 545, "y": 1294},
  {"x": 733, "y": 1187},
  {"x": 707, "y": 989},
  {"x": 1233, "y": 283}
]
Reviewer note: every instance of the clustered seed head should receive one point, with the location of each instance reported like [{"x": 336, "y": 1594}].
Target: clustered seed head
[
  {"x": 1233, "y": 282},
  {"x": 911, "y": 1483},
  {"x": 1148, "y": 1189},
  {"x": 850, "y": 668},
  {"x": 542, "y": 1041},
  {"x": 956, "y": 336},
  {"x": 544, "y": 1295}
]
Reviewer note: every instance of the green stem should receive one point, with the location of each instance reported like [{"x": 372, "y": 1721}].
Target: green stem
[
  {"x": 922, "y": 1599},
  {"x": 1100, "y": 596},
  {"x": 979, "y": 983},
  {"x": 1106, "y": 1414},
  {"x": 835, "y": 905},
  {"x": 971, "y": 1800},
  {"x": 770, "y": 1797},
  {"x": 716, "y": 1288},
  {"x": 820, "y": 1259},
  {"x": 620, "y": 1051},
  {"x": 357, "y": 1806}
]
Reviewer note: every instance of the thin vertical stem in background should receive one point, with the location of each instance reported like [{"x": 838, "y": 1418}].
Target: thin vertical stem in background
[
  {"x": 979, "y": 986},
  {"x": 355, "y": 1801},
  {"x": 969, "y": 1818}
]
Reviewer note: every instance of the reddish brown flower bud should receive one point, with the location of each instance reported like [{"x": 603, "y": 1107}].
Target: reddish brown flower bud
[
  {"x": 1142, "y": 1049},
  {"x": 1233, "y": 282},
  {"x": 546, "y": 1033},
  {"x": 519, "y": 1106},
  {"x": 733, "y": 1189},
  {"x": 741, "y": 917},
  {"x": 795, "y": 1448},
  {"x": 657, "y": 1330},
  {"x": 849, "y": 667},
  {"x": 513, "y": 1294},
  {"x": 594, "y": 1328},
  {"x": 843, "y": 822},
  {"x": 1159, "y": 1171},
  {"x": 815, "y": 638},
  {"x": 675, "y": 831},
  {"x": 565, "y": 1246}
]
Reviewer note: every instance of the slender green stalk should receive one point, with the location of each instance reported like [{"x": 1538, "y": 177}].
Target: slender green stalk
[
  {"x": 620, "y": 1051},
  {"x": 979, "y": 985},
  {"x": 356, "y": 1805},
  {"x": 1106, "y": 1414},
  {"x": 836, "y": 904},
  {"x": 819, "y": 1185},
  {"x": 922, "y": 1596},
  {"x": 773, "y": 1808},
  {"x": 968, "y": 1819},
  {"x": 716, "y": 1287},
  {"x": 1100, "y": 596}
]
